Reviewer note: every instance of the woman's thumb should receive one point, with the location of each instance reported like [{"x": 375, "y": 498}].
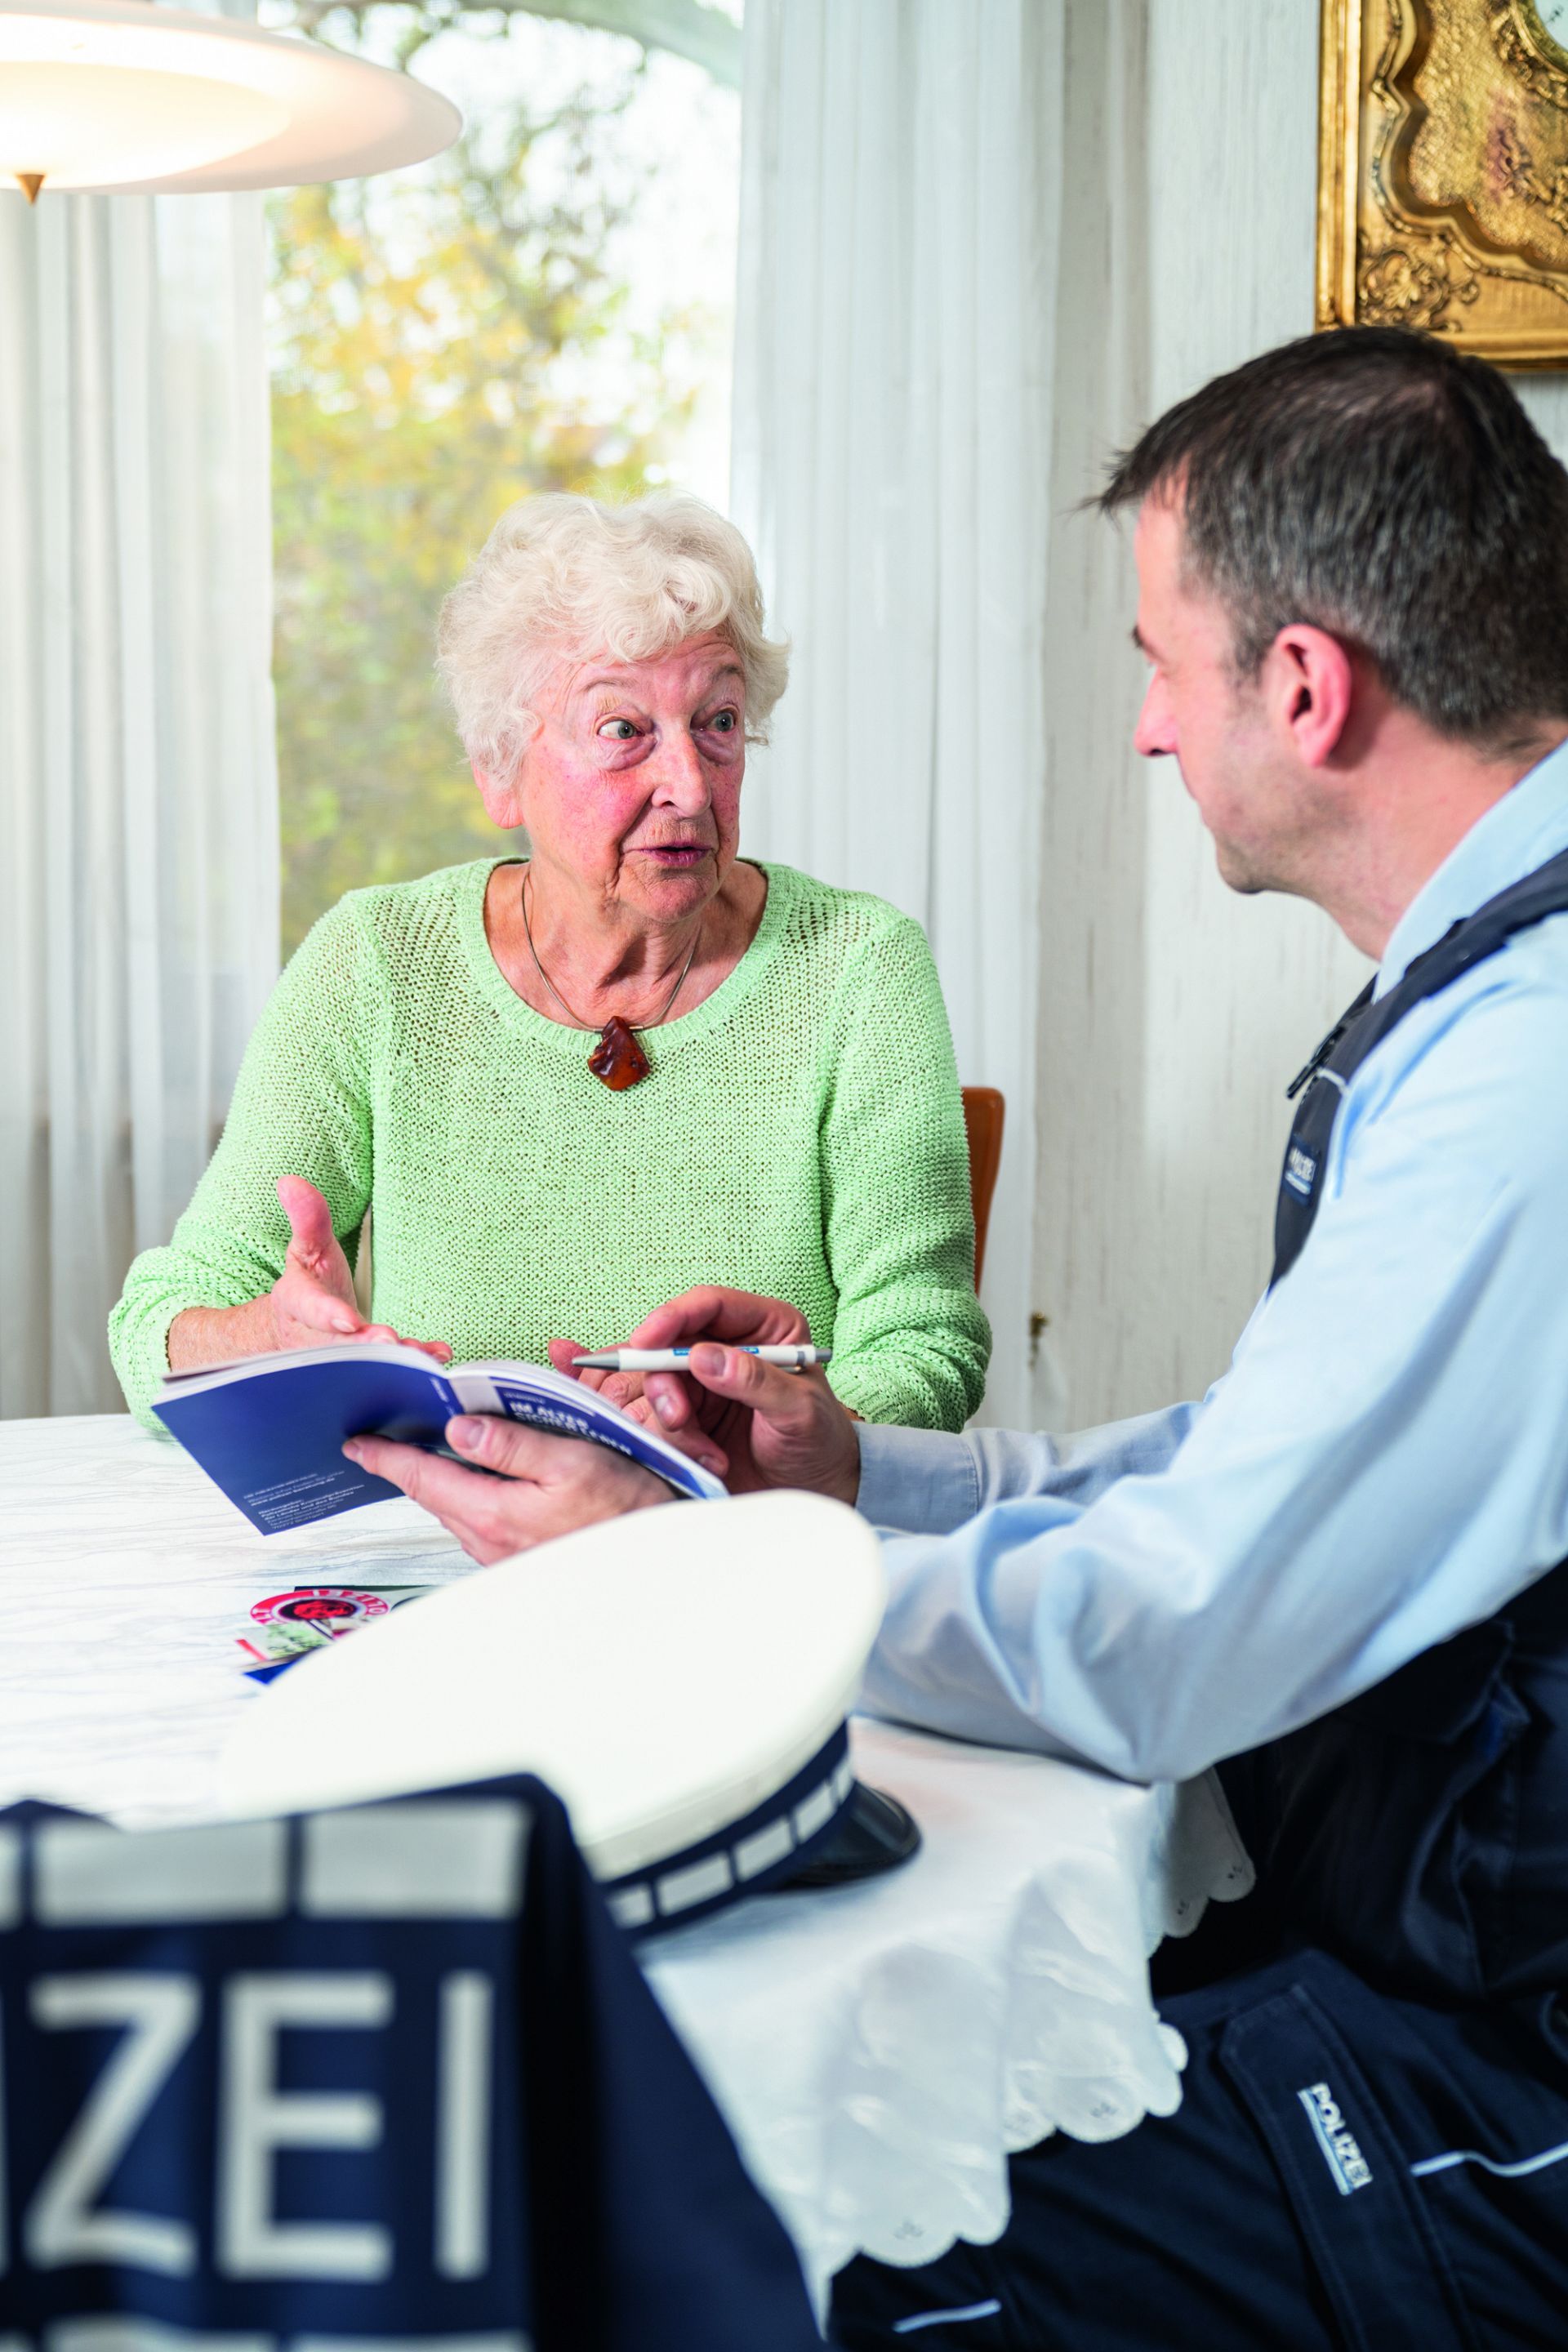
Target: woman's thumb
[{"x": 309, "y": 1219}]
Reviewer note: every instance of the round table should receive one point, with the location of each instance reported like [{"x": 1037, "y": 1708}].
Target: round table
[{"x": 877, "y": 2050}]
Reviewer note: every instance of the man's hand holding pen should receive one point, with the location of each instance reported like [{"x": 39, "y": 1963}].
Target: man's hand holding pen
[{"x": 753, "y": 1424}]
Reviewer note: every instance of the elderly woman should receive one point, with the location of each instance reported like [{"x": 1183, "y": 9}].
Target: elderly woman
[{"x": 570, "y": 1087}]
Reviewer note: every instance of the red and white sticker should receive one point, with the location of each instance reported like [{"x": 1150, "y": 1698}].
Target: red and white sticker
[{"x": 330, "y": 1609}]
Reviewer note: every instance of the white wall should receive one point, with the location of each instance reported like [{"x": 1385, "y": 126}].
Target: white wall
[
  {"x": 893, "y": 370},
  {"x": 1172, "y": 1013}
]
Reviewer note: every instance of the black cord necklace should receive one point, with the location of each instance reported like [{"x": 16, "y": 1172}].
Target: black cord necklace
[{"x": 617, "y": 1061}]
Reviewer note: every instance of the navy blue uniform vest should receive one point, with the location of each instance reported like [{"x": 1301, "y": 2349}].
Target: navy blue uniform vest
[{"x": 1421, "y": 1832}]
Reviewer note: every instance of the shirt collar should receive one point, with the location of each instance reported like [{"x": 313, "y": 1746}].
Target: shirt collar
[{"x": 1519, "y": 832}]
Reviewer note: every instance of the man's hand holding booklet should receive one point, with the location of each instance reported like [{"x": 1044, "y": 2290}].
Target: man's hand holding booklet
[{"x": 270, "y": 1430}]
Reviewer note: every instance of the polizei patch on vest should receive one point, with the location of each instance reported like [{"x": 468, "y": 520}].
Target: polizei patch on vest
[
  {"x": 1301, "y": 1169},
  {"x": 1341, "y": 2154}
]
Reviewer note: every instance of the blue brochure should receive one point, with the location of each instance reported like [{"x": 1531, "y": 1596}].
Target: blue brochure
[{"x": 270, "y": 1430}]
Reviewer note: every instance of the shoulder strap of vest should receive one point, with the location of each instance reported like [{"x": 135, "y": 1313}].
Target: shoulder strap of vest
[
  {"x": 1467, "y": 943},
  {"x": 1310, "y": 1068}
]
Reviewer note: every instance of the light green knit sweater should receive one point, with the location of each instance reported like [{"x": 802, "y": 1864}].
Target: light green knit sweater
[{"x": 801, "y": 1134}]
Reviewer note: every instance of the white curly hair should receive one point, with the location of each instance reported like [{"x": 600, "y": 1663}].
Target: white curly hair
[{"x": 563, "y": 577}]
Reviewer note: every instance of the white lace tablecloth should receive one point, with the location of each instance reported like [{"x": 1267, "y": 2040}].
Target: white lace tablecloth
[{"x": 877, "y": 2050}]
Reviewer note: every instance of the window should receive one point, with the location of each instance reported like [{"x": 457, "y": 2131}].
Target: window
[{"x": 549, "y": 306}]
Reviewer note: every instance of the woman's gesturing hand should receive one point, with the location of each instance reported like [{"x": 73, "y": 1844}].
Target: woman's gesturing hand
[
  {"x": 312, "y": 1300},
  {"x": 310, "y": 1303},
  {"x": 753, "y": 1424}
]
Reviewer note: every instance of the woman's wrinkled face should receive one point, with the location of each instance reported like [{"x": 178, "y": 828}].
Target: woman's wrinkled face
[{"x": 631, "y": 788}]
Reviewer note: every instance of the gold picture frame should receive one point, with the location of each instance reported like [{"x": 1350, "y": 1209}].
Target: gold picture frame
[{"x": 1443, "y": 173}]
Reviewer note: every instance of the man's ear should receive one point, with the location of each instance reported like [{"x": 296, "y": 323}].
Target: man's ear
[{"x": 1308, "y": 683}]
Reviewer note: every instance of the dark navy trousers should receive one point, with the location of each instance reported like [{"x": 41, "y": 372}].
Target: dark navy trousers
[{"x": 1346, "y": 2169}]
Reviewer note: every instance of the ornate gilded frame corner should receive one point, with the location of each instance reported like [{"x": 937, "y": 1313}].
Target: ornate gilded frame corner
[
  {"x": 1443, "y": 174},
  {"x": 1338, "y": 160}
]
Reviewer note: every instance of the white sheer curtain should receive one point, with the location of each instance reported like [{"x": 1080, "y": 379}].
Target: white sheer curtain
[
  {"x": 900, "y": 200},
  {"x": 138, "y": 800}
]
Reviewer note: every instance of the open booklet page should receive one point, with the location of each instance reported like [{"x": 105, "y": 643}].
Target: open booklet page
[{"x": 270, "y": 1430}]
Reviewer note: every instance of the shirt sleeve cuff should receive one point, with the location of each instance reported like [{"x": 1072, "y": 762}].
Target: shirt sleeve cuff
[{"x": 918, "y": 1480}]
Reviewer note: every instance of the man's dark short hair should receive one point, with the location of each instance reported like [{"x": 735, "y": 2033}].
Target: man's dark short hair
[{"x": 1387, "y": 488}]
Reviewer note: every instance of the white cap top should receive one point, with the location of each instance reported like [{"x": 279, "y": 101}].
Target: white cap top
[{"x": 664, "y": 1672}]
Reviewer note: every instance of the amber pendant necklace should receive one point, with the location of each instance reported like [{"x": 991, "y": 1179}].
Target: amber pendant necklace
[{"x": 617, "y": 1061}]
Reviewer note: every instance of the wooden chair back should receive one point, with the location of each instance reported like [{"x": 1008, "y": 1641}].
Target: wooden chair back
[{"x": 984, "y": 1112}]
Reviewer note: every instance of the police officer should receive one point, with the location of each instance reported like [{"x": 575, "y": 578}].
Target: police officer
[{"x": 1341, "y": 1578}]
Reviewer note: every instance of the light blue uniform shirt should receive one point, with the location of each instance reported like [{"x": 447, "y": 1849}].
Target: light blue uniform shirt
[{"x": 1385, "y": 1461}]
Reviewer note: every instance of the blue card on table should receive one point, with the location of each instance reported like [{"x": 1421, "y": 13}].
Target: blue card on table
[{"x": 270, "y": 1430}]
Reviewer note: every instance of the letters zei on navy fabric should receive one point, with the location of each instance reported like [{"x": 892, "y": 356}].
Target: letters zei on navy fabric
[
  {"x": 387, "y": 2074},
  {"x": 1385, "y": 1461}
]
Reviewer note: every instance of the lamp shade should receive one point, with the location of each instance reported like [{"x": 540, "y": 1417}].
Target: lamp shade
[{"x": 121, "y": 95}]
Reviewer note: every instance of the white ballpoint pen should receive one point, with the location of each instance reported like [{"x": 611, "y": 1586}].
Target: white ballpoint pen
[{"x": 674, "y": 1360}]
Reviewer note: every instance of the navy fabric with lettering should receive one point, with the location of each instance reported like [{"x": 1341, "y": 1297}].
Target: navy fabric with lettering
[
  {"x": 337, "y": 2117},
  {"x": 1256, "y": 2218}
]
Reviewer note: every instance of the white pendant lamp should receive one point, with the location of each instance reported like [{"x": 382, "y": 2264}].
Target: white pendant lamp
[{"x": 122, "y": 95}]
